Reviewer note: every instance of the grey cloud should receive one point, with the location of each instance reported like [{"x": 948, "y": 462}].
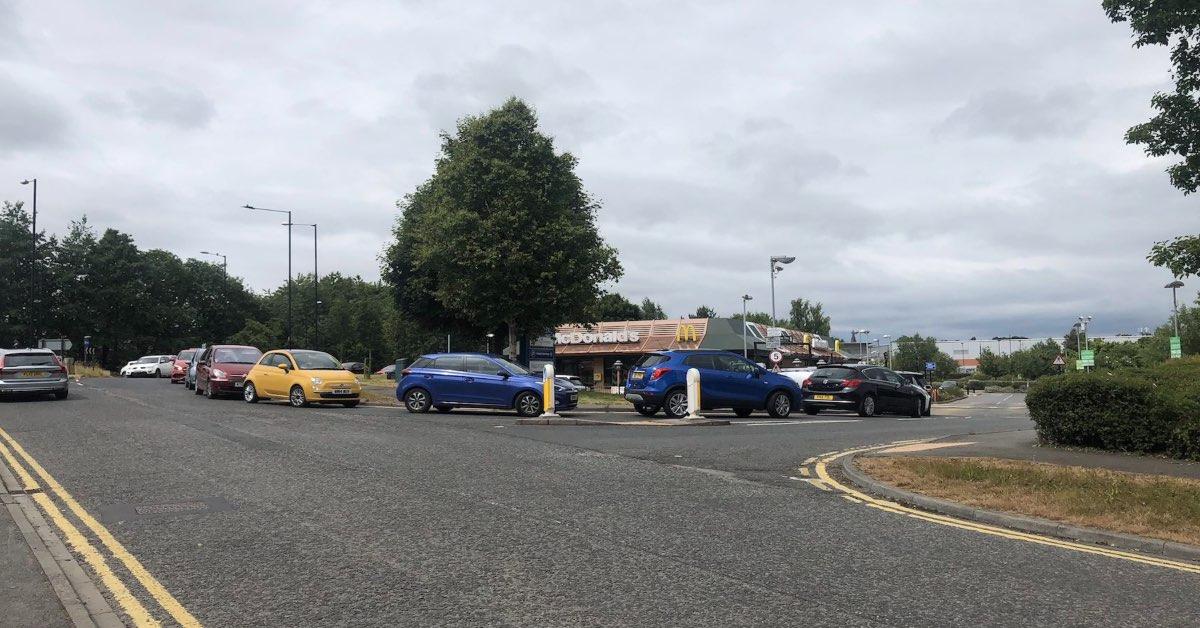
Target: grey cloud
[
  {"x": 775, "y": 154},
  {"x": 1061, "y": 112},
  {"x": 179, "y": 106},
  {"x": 28, "y": 120}
]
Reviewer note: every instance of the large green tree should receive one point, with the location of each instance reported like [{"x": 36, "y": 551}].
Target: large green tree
[
  {"x": 1175, "y": 128},
  {"x": 809, "y": 316},
  {"x": 652, "y": 311},
  {"x": 910, "y": 353},
  {"x": 705, "y": 312},
  {"x": 614, "y": 307},
  {"x": 503, "y": 233}
]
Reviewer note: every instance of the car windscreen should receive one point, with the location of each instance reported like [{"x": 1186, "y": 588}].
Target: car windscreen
[
  {"x": 185, "y": 355},
  {"x": 316, "y": 361},
  {"x": 149, "y": 359},
  {"x": 237, "y": 355},
  {"x": 651, "y": 359},
  {"x": 29, "y": 359},
  {"x": 515, "y": 369},
  {"x": 835, "y": 372}
]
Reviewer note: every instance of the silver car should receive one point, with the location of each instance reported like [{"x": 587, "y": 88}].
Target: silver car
[{"x": 32, "y": 371}]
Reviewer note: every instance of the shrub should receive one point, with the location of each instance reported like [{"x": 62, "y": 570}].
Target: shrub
[
  {"x": 1154, "y": 410},
  {"x": 953, "y": 393}
]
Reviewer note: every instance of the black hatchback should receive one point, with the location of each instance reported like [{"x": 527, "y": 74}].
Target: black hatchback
[{"x": 863, "y": 388}]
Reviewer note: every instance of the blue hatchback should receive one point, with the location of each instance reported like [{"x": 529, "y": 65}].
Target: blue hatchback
[
  {"x": 454, "y": 380},
  {"x": 727, "y": 380}
]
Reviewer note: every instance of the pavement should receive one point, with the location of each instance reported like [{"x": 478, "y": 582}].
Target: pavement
[
  {"x": 26, "y": 597},
  {"x": 1023, "y": 445},
  {"x": 241, "y": 515}
]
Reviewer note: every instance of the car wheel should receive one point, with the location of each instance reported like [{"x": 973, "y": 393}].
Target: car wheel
[
  {"x": 417, "y": 400},
  {"x": 61, "y": 394},
  {"x": 779, "y": 405},
  {"x": 249, "y": 393},
  {"x": 528, "y": 404},
  {"x": 918, "y": 408},
  {"x": 675, "y": 405},
  {"x": 157, "y": 374},
  {"x": 866, "y": 407},
  {"x": 349, "y": 404},
  {"x": 444, "y": 409},
  {"x": 929, "y": 408},
  {"x": 812, "y": 411},
  {"x": 743, "y": 412},
  {"x": 645, "y": 410},
  {"x": 296, "y": 397}
]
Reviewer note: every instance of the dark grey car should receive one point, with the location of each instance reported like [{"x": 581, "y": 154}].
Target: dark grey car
[{"x": 32, "y": 371}]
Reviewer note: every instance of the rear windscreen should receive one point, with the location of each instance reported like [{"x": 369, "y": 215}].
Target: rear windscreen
[
  {"x": 185, "y": 355},
  {"x": 833, "y": 372},
  {"x": 650, "y": 360},
  {"x": 29, "y": 359}
]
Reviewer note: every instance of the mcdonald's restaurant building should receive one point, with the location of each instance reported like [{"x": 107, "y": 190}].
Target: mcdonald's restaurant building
[{"x": 593, "y": 352}]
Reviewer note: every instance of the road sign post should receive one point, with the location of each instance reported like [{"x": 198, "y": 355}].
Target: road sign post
[
  {"x": 1176, "y": 347},
  {"x": 1088, "y": 357}
]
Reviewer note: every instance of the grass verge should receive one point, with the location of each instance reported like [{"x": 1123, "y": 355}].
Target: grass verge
[
  {"x": 593, "y": 398},
  {"x": 1155, "y": 506},
  {"x": 379, "y": 391},
  {"x": 81, "y": 370}
]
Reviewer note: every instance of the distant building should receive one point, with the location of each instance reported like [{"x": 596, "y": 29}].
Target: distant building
[{"x": 968, "y": 365}]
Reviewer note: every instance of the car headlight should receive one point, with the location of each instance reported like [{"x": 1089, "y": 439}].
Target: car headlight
[
  {"x": 219, "y": 374},
  {"x": 316, "y": 381}
]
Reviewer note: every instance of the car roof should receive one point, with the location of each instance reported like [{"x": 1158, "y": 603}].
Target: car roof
[
  {"x": 31, "y": 350},
  {"x": 456, "y": 354}
]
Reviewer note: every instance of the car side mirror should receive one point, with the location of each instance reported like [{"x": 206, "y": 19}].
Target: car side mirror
[
  {"x": 758, "y": 373},
  {"x": 283, "y": 367},
  {"x": 503, "y": 374}
]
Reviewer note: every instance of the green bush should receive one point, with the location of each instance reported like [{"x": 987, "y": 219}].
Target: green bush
[
  {"x": 1153, "y": 410},
  {"x": 953, "y": 393}
]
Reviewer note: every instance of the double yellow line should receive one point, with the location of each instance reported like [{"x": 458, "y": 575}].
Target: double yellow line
[
  {"x": 80, "y": 544},
  {"x": 963, "y": 524}
]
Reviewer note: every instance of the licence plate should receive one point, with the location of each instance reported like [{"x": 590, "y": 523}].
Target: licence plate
[
  {"x": 31, "y": 374},
  {"x": 637, "y": 375},
  {"x": 574, "y": 397},
  {"x": 823, "y": 397},
  {"x": 341, "y": 391}
]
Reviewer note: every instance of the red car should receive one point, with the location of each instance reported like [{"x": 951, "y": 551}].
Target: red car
[
  {"x": 180, "y": 367},
  {"x": 222, "y": 368}
]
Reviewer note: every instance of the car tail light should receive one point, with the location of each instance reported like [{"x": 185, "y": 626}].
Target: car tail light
[
  {"x": 851, "y": 383},
  {"x": 61, "y": 367},
  {"x": 406, "y": 372},
  {"x": 659, "y": 372}
]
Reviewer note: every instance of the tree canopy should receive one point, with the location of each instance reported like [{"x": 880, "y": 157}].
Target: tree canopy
[
  {"x": 910, "y": 353},
  {"x": 503, "y": 233},
  {"x": 808, "y": 316}
]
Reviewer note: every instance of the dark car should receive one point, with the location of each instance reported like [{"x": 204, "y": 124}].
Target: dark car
[
  {"x": 863, "y": 388},
  {"x": 358, "y": 368},
  {"x": 32, "y": 372},
  {"x": 727, "y": 380},
  {"x": 183, "y": 362},
  {"x": 450, "y": 380},
  {"x": 222, "y": 368}
]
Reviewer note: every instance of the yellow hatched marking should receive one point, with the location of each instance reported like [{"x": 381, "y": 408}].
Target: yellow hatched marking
[{"x": 151, "y": 584}]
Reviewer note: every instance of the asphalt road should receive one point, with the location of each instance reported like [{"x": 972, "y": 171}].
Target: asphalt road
[{"x": 371, "y": 516}]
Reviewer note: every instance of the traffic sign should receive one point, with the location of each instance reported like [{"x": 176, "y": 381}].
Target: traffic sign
[
  {"x": 1088, "y": 357},
  {"x": 931, "y": 366},
  {"x": 1079, "y": 365},
  {"x": 1176, "y": 347},
  {"x": 776, "y": 357},
  {"x": 1059, "y": 360},
  {"x": 56, "y": 344}
]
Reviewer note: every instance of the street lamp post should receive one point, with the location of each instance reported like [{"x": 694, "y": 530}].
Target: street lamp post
[
  {"x": 289, "y": 238},
  {"x": 745, "y": 299},
  {"x": 224, "y": 261},
  {"x": 316, "y": 280},
  {"x": 781, "y": 259},
  {"x": 32, "y": 266},
  {"x": 488, "y": 346},
  {"x": 887, "y": 353},
  {"x": 1175, "y": 285},
  {"x": 1083, "y": 323}
]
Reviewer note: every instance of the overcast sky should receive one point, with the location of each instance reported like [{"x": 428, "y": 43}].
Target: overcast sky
[{"x": 951, "y": 168}]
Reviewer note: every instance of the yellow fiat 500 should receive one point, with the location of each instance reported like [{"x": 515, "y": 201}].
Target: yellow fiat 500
[{"x": 302, "y": 377}]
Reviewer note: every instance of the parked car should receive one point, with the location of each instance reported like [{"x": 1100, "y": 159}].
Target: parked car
[
  {"x": 358, "y": 368},
  {"x": 302, "y": 377},
  {"x": 389, "y": 371},
  {"x": 573, "y": 380},
  {"x": 798, "y": 374},
  {"x": 917, "y": 380},
  {"x": 189, "y": 379},
  {"x": 727, "y": 380},
  {"x": 149, "y": 366},
  {"x": 181, "y": 364},
  {"x": 33, "y": 372},
  {"x": 866, "y": 389},
  {"x": 222, "y": 368},
  {"x": 450, "y": 380},
  {"x": 948, "y": 384}
]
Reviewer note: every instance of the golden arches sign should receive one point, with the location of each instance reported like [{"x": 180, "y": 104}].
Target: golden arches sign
[{"x": 685, "y": 333}]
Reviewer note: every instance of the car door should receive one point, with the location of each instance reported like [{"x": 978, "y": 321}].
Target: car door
[
  {"x": 484, "y": 385},
  {"x": 889, "y": 387},
  {"x": 268, "y": 376},
  {"x": 747, "y": 388},
  {"x": 202, "y": 367},
  {"x": 447, "y": 381},
  {"x": 714, "y": 383}
]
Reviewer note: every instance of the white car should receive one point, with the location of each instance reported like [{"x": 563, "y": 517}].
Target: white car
[
  {"x": 149, "y": 366},
  {"x": 799, "y": 374},
  {"x": 917, "y": 381},
  {"x": 573, "y": 380}
]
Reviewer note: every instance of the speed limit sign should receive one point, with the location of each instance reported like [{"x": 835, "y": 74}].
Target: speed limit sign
[{"x": 776, "y": 357}]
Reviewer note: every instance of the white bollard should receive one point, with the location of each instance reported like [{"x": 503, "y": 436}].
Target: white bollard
[
  {"x": 548, "y": 392},
  {"x": 693, "y": 394}
]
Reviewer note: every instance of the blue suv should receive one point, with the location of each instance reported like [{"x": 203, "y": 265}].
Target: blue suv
[
  {"x": 727, "y": 380},
  {"x": 453, "y": 380}
]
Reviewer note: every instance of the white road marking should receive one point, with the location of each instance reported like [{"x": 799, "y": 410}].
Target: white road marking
[{"x": 795, "y": 422}]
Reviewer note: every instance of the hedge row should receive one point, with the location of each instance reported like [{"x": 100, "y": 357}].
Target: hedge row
[{"x": 1153, "y": 410}]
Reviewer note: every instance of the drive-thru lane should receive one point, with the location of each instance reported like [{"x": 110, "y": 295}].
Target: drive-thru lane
[{"x": 266, "y": 514}]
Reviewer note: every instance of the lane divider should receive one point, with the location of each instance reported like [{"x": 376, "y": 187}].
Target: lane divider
[
  {"x": 118, "y": 551},
  {"x": 822, "y": 472}
]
